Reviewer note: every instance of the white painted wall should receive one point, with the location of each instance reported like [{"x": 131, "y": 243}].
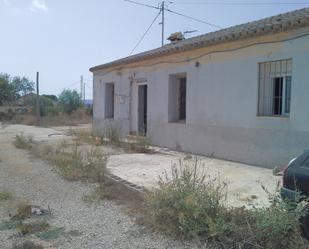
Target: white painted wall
[{"x": 222, "y": 97}]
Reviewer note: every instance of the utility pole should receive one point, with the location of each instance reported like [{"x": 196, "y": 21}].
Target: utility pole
[
  {"x": 84, "y": 92},
  {"x": 81, "y": 87},
  {"x": 162, "y": 10},
  {"x": 38, "y": 119}
]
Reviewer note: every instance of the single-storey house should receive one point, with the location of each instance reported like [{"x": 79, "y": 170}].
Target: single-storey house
[{"x": 240, "y": 93}]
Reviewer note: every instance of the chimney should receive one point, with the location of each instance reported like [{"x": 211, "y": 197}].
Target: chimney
[{"x": 175, "y": 37}]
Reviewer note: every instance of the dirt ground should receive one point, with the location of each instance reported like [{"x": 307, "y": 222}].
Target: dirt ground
[
  {"x": 244, "y": 181},
  {"x": 102, "y": 224}
]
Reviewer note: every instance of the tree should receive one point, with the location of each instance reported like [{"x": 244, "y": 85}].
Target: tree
[
  {"x": 51, "y": 97},
  {"x": 22, "y": 86},
  {"x": 12, "y": 88},
  {"x": 5, "y": 88},
  {"x": 69, "y": 101}
]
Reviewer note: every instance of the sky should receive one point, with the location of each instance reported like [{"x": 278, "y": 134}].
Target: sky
[{"x": 62, "y": 39}]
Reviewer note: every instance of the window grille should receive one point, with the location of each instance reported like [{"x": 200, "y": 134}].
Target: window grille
[{"x": 275, "y": 81}]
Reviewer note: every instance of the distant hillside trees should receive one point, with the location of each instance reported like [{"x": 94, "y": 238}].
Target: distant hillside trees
[{"x": 12, "y": 88}]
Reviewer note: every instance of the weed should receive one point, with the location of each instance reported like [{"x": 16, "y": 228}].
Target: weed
[
  {"x": 23, "y": 142},
  {"x": 23, "y": 210},
  {"x": 51, "y": 234},
  {"x": 73, "y": 233},
  {"x": 190, "y": 204},
  {"x": 4, "y": 196},
  {"x": 32, "y": 227},
  {"x": 8, "y": 225},
  {"x": 27, "y": 245},
  {"x": 84, "y": 137},
  {"x": 139, "y": 145},
  {"x": 112, "y": 133},
  {"x": 95, "y": 196},
  {"x": 72, "y": 163}
]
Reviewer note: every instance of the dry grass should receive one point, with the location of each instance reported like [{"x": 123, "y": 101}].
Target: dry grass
[
  {"x": 80, "y": 116},
  {"x": 27, "y": 245},
  {"x": 22, "y": 142},
  {"x": 32, "y": 227},
  {"x": 72, "y": 162}
]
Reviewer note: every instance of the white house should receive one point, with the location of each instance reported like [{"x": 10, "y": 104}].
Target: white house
[{"x": 241, "y": 93}]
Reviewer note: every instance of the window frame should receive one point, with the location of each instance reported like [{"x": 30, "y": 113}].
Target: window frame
[
  {"x": 283, "y": 105},
  {"x": 284, "y": 73}
]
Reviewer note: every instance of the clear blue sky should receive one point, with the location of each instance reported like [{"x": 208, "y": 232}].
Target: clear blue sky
[{"x": 62, "y": 39}]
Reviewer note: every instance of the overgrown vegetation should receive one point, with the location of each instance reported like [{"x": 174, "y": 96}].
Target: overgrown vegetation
[
  {"x": 71, "y": 162},
  {"x": 5, "y": 195},
  {"x": 32, "y": 227},
  {"x": 27, "y": 221},
  {"x": 28, "y": 244},
  {"x": 113, "y": 135},
  {"x": 190, "y": 204},
  {"x": 22, "y": 142},
  {"x": 18, "y": 104},
  {"x": 12, "y": 88}
]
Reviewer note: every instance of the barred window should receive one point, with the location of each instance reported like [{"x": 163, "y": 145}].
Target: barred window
[{"x": 275, "y": 80}]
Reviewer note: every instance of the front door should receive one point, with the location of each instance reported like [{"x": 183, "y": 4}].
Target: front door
[{"x": 142, "y": 109}]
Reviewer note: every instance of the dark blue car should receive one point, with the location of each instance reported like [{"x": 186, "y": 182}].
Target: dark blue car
[{"x": 295, "y": 184}]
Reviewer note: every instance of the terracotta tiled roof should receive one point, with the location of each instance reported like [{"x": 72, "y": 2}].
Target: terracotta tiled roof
[{"x": 275, "y": 24}]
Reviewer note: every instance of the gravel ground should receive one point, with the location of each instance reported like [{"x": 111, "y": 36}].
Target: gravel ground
[{"x": 102, "y": 225}]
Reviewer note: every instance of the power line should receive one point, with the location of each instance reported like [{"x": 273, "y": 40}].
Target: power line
[
  {"x": 142, "y": 4},
  {"x": 68, "y": 86},
  {"x": 242, "y": 3},
  {"x": 88, "y": 86},
  {"x": 195, "y": 19},
  {"x": 143, "y": 36}
]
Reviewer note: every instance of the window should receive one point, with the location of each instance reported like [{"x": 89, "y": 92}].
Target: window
[
  {"x": 109, "y": 100},
  {"x": 305, "y": 163},
  {"x": 275, "y": 80},
  {"x": 177, "y": 97}
]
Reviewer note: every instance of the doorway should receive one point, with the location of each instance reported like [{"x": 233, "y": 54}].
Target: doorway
[{"x": 142, "y": 109}]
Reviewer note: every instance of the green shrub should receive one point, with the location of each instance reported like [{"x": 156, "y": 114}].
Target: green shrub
[
  {"x": 190, "y": 204},
  {"x": 278, "y": 226},
  {"x": 4, "y": 196},
  {"x": 187, "y": 203}
]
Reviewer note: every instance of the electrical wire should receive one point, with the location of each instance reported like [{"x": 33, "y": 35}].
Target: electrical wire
[
  {"x": 88, "y": 86},
  {"x": 195, "y": 19},
  {"x": 206, "y": 54},
  {"x": 142, "y": 4},
  {"x": 143, "y": 36},
  {"x": 241, "y": 3},
  {"x": 68, "y": 86}
]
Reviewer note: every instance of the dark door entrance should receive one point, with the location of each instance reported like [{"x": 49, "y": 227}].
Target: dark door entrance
[{"x": 142, "y": 109}]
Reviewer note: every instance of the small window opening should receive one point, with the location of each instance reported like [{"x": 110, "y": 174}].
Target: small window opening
[
  {"x": 177, "y": 98},
  {"x": 109, "y": 100}
]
